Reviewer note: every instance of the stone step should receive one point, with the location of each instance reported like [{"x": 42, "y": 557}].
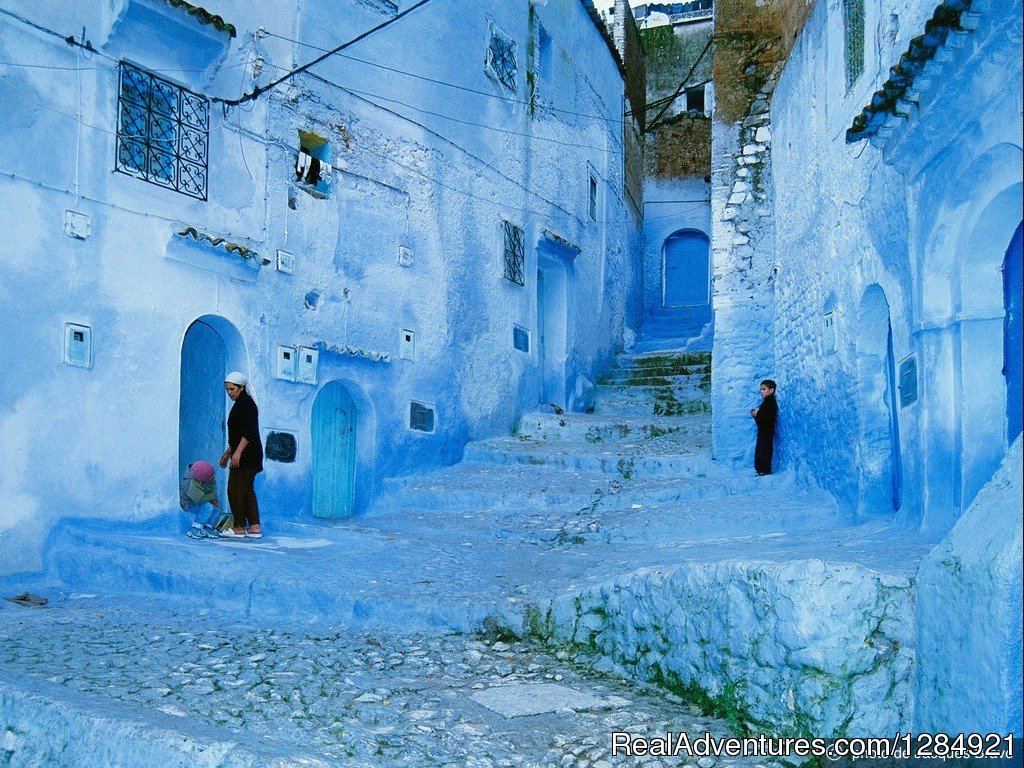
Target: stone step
[
  {"x": 484, "y": 486},
  {"x": 673, "y": 359},
  {"x": 606, "y": 428},
  {"x": 671, "y": 344},
  {"x": 651, "y": 401},
  {"x": 649, "y": 459},
  {"x": 480, "y": 491},
  {"x": 699, "y": 377}
]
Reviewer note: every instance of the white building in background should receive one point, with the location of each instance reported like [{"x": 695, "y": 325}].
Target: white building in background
[{"x": 403, "y": 247}]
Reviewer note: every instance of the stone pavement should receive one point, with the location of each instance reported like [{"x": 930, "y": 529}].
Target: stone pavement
[
  {"x": 355, "y": 641},
  {"x": 321, "y": 698}
]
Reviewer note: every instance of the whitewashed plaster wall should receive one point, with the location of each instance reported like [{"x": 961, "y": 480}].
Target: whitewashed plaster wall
[
  {"x": 103, "y": 441},
  {"x": 890, "y": 213}
]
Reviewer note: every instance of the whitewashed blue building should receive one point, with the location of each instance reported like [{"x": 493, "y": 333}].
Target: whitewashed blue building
[
  {"x": 403, "y": 247},
  {"x": 867, "y": 255}
]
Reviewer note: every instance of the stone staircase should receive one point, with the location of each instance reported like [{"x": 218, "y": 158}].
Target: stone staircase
[{"x": 669, "y": 328}]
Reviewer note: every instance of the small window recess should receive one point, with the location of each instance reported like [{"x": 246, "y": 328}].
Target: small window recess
[
  {"x": 695, "y": 98},
  {"x": 421, "y": 417},
  {"x": 592, "y": 197},
  {"x": 313, "y": 170},
  {"x": 520, "y": 338},
  {"x": 908, "y": 381},
  {"x": 77, "y": 345}
]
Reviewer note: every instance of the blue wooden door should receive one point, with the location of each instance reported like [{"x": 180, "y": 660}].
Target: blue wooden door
[
  {"x": 202, "y": 407},
  {"x": 686, "y": 269},
  {"x": 334, "y": 452},
  {"x": 1013, "y": 349},
  {"x": 896, "y": 457}
]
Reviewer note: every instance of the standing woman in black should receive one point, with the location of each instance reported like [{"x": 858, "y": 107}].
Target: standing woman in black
[{"x": 245, "y": 454}]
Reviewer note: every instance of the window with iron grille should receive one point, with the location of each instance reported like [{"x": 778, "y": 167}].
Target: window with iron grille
[
  {"x": 421, "y": 417},
  {"x": 515, "y": 254},
  {"x": 500, "y": 63},
  {"x": 162, "y": 132},
  {"x": 853, "y": 28}
]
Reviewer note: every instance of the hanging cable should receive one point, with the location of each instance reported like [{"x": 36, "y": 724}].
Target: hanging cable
[
  {"x": 255, "y": 92},
  {"x": 445, "y": 83},
  {"x": 654, "y": 123}
]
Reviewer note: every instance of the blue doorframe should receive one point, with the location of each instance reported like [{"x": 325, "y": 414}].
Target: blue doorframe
[
  {"x": 333, "y": 430},
  {"x": 1012, "y": 335},
  {"x": 686, "y": 269},
  {"x": 202, "y": 404}
]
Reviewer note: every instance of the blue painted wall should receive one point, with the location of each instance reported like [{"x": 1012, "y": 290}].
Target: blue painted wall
[{"x": 429, "y": 155}]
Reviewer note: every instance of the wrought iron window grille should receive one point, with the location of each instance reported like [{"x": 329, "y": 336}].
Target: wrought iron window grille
[
  {"x": 163, "y": 132},
  {"x": 500, "y": 63},
  {"x": 515, "y": 252},
  {"x": 853, "y": 31}
]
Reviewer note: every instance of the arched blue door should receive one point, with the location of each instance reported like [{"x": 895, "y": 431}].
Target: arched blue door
[
  {"x": 686, "y": 269},
  {"x": 1012, "y": 335},
  {"x": 334, "y": 452},
  {"x": 202, "y": 406}
]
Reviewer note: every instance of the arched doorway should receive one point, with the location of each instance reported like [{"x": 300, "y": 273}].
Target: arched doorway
[
  {"x": 879, "y": 463},
  {"x": 333, "y": 427},
  {"x": 1012, "y": 335},
  {"x": 685, "y": 269},
  {"x": 210, "y": 348}
]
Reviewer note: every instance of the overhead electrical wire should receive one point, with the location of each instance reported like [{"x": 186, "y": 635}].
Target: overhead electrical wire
[
  {"x": 456, "y": 86},
  {"x": 370, "y": 95},
  {"x": 256, "y": 92}
]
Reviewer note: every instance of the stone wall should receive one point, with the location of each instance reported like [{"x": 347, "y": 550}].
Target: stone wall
[{"x": 798, "y": 648}]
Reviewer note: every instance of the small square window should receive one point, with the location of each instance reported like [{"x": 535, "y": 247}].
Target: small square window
[
  {"x": 421, "y": 417},
  {"x": 520, "y": 338},
  {"x": 280, "y": 446},
  {"x": 514, "y": 252},
  {"x": 162, "y": 132},
  {"x": 908, "y": 381},
  {"x": 500, "y": 61},
  {"x": 695, "y": 99}
]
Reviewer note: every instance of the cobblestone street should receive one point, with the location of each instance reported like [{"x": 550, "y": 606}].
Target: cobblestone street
[{"x": 353, "y": 699}]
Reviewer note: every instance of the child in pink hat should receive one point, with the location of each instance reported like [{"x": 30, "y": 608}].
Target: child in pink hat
[{"x": 198, "y": 495}]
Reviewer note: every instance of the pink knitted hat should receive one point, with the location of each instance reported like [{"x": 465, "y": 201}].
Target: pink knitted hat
[{"x": 202, "y": 471}]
